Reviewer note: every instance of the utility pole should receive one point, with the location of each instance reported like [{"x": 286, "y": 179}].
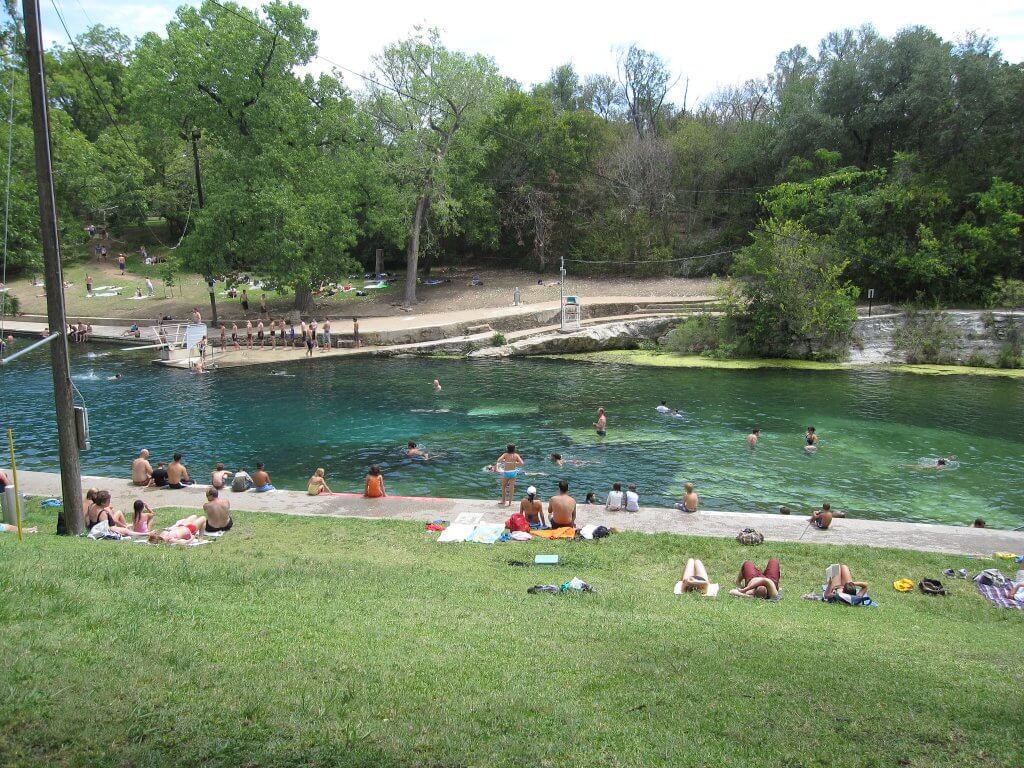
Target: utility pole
[
  {"x": 70, "y": 520},
  {"x": 195, "y": 134},
  {"x": 561, "y": 292}
]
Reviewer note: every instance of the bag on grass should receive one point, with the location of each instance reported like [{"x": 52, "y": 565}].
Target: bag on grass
[
  {"x": 750, "y": 537},
  {"x": 931, "y": 587},
  {"x": 518, "y": 522},
  {"x": 991, "y": 577}
]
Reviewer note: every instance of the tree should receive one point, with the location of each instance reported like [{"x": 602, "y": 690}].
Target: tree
[
  {"x": 645, "y": 82},
  {"x": 423, "y": 97},
  {"x": 281, "y": 164},
  {"x": 795, "y": 299}
]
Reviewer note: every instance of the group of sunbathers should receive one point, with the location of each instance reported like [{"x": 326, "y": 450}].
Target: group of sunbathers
[{"x": 753, "y": 582}]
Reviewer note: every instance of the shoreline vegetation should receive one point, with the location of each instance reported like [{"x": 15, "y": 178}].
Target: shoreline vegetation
[{"x": 654, "y": 359}]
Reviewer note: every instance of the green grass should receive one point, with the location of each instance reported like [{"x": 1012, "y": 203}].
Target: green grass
[
  {"x": 670, "y": 360},
  {"x": 328, "y": 642}
]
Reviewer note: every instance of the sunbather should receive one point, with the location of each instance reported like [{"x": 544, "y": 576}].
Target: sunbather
[
  {"x": 181, "y": 532},
  {"x": 5, "y": 528},
  {"x": 840, "y": 586},
  {"x": 753, "y": 582},
  {"x": 695, "y": 577}
]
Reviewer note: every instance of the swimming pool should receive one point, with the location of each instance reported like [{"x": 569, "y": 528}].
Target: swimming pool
[{"x": 876, "y": 428}]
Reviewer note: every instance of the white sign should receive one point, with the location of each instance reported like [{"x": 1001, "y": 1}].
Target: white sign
[
  {"x": 871, "y": 293},
  {"x": 571, "y": 315}
]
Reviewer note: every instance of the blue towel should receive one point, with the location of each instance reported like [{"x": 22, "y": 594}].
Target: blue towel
[{"x": 52, "y": 503}]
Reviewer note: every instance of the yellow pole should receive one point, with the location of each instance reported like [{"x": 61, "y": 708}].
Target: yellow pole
[{"x": 14, "y": 472}]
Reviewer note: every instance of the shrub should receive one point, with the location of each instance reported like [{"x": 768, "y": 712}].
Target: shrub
[
  {"x": 1009, "y": 357},
  {"x": 9, "y": 305},
  {"x": 926, "y": 338},
  {"x": 977, "y": 360},
  {"x": 498, "y": 340},
  {"x": 1007, "y": 292},
  {"x": 698, "y": 334}
]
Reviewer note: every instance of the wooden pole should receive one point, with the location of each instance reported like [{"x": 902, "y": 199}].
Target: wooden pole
[
  {"x": 14, "y": 474},
  {"x": 70, "y": 520}
]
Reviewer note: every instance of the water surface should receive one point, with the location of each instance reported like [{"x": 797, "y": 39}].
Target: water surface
[{"x": 876, "y": 428}]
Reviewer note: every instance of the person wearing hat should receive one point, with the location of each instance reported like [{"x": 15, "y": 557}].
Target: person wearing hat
[{"x": 533, "y": 509}]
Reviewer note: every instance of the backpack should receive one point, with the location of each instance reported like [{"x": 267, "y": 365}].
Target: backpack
[
  {"x": 518, "y": 522},
  {"x": 991, "y": 577},
  {"x": 750, "y": 537}
]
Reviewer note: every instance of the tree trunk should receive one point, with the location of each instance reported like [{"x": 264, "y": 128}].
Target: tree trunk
[
  {"x": 303, "y": 298},
  {"x": 413, "y": 253}
]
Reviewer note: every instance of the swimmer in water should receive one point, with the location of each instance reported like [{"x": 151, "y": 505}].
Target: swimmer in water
[
  {"x": 676, "y": 414},
  {"x": 663, "y": 408},
  {"x": 811, "y": 438},
  {"x": 437, "y": 385},
  {"x": 753, "y": 437},
  {"x": 115, "y": 377},
  {"x": 557, "y": 460},
  {"x": 509, "y": 464},
  {"x": 415, "y": 453},
  {"x": 601, "y": 425}
]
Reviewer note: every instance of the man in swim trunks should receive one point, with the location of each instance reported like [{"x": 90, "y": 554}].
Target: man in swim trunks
[
  {"x": 223, "y": 337},
  {"x": 601, "y": 425},
  {"x": 159, "y": 477},
  {"x": 177, "y": 474},
  {"x": 259, "y": 332},
  {"x": 327, "y": 334},
  {"x": 415, "y": 453},
  {"x": 508, "y": 464},
  {"x": 245, "y": 300},
  {"x": 260, "y": 479},
  {"x": 356, "y": 340},
  {"x": 753, "y": 582},
  {"x": 219, "y": 476},
  {"x": 234, "y": 335},
  {"x": 562, "y": 508},
  {"x": 248, "y": 334},
  {"x": 821, "y": 518},
  {"x": 142, "y": 470},
  {"x": 217, "y": 511},
  {"x": 752, "y": 438},
  {"x": 691, "y": 501}
]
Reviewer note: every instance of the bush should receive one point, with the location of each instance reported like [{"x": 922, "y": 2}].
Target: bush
[
  {"x": 9, "y": 305},
  {"x": 1009, "y": 357},
  {"x": 498, "y": 340},
  {"x": 977, "y": 360},
  {"x": 926, "y": 338},
  {"x": 700, "y": 335},
  {"x": 1007, "y": 292}
]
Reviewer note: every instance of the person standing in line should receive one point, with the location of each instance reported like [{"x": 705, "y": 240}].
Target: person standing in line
[
  {"x": 234, "y": 335},
  {"x": 248, "y": 334},
  {"x": 356, "y": 341},
  {"x": 273, "y": 333},
  {"x": 313, "y": 332},
  {"x": 259, "y": 332},
  {"x": 327, "y": 334},
  {"x": 223, "y": 337},
  {"x": 601, "y": 425}
]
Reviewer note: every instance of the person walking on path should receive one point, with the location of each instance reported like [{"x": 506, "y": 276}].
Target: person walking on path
[
  {"x": 88, "y": 285},
  {"x": 121, "y": 263},
  {"x": 149, "y": 288}
]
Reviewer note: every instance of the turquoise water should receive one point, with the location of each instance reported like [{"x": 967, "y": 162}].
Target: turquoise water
[{"x": 875, "y": 428}]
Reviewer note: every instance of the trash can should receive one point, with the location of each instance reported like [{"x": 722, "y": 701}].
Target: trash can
[{"x": 7, "y": 502}]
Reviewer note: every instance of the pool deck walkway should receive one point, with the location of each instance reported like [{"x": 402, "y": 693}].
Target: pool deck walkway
[{"x": 925, "y": 537}]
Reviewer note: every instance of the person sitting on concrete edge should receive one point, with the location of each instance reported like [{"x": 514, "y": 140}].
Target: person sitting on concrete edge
[
  {"x": 242, "y": 481},
  {"x": 374, "y": 487},
  {"x": 177, "y": 474},
  {"x": 691, "y": 501},
  {"x": 261, "y": 480},
  {"x": 142, "y": 470},
  {"x": 821, "y": 518},
  {"x": 317, "y": 483},
  {"x": 562, "y": 508}
]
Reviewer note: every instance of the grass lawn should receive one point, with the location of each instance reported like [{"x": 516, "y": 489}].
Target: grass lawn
[
  {"x": 313, "y": 641},
  {"x": 189, "y": 289}
]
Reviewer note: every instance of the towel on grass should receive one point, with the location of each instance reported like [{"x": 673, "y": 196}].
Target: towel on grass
[
  {"x": 456, "y": 532},
  {"x": 487, "y": 533},
  {"x": 997, "y": 596},
  {"x": 555, "y": 533}
]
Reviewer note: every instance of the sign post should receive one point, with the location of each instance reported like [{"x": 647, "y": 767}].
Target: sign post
[{"x": 871, "y": 299}]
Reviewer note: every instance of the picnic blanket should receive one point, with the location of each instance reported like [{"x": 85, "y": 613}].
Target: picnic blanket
[{"x": 997, "y": 596}]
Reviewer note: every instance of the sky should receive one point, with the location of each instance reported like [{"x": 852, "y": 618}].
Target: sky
[{"x": 709, "y": 45}]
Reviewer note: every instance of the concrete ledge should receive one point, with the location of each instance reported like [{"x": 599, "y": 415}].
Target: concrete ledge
[{"x": 924, "y": 537}]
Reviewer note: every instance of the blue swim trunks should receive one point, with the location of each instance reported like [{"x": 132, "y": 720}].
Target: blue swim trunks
[{"x": 264, "y": 488}]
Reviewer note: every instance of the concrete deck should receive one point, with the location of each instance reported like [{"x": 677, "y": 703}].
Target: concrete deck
[{"x": 871, "y": 533}]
